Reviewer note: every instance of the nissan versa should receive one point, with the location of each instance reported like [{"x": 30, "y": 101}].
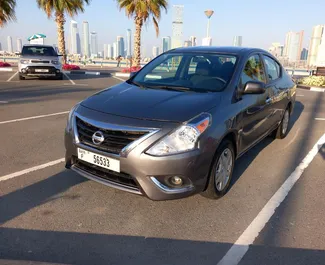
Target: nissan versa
[{"x": 176, "y": 127}]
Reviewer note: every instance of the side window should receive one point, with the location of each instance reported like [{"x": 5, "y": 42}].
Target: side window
[
  {"x": 253, "y": 70},
  {"x": 272, "y": 68}
]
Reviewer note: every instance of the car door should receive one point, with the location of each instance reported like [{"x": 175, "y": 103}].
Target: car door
[
  {"x": 255, "y": 109},
  {"x": 278, "y": 92}
]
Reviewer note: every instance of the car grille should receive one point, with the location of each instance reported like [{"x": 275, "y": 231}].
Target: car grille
[
  {"x": 37, "y": 61},
  {"x": 31, "y": 69},
  {"x": 114, "y": 141},
  {"x": 119, "y": 178}
]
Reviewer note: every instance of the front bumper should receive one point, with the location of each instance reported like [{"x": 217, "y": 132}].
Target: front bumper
[
  {"x": 40, "y": 70},
  {"x": 141, "y": 173}
]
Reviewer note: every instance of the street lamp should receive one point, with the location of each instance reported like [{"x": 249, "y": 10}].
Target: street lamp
[{"x": 209, "y": 14}]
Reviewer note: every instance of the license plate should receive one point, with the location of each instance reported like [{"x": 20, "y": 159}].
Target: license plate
[
  {"x": 99, "y": 160},
  {"x": 42, "y": 70}
]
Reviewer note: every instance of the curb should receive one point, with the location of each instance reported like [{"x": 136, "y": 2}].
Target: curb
[
  {"x": 122, "y": 75},
  {"x": 312, "y": 88},
  {"x": 86, "y": 73},
  {"x": 6, "y": 69}
]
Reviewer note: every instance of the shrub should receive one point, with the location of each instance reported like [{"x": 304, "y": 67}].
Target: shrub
[
  {"x": 3, "y": 64},
  {"x": 132, "y": 69},
  {"x": 313, "y": 81},
  {"x": 70, "y": 67}
]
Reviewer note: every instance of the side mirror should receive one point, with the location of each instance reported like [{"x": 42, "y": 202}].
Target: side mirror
[
  {"x": 254, "y": 87},
  {"x": 60, "y": 55}
]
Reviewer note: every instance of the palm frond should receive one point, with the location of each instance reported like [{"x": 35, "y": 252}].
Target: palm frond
[{"x": 7, "y": 11}]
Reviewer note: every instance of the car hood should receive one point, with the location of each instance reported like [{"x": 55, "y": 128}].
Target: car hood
[{"x": 151, "y": 104}]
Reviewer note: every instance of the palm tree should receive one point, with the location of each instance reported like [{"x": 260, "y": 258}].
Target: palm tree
[
  {"x": 7, "y": 11},
  {"x": 141, "y": 11},
  {"x": 60, "y": 8}
]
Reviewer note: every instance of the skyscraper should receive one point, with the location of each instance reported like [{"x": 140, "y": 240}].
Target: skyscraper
[
  {"x": 193, "y": 41},
  {"x": 19, "y": 45},
  {"x": 0, "y": 47},
  {"x": 166, "y": 44},
  {"x": 155, "y": 51},
  {"x": 115, "y": 51},
  {"x": 94, "y": 44},
  {"x": 238, "y": 41},
  {"x": 315, "y": 41},
  {"x": 9, "y": 44},
  {"x": 293, "y": 45},
  {"x": 73, "y": 49},
  {"x": 109, "y": 51},
  {"x": 120, "y": 46},
  {"x": 105, "y": 51},
  {"x": 304, "y": 54},
  {"x": 187, "y": 43},
  {"x": 320, "y": 61},
  {"x": 85, "y": 38},
  {"x": 177, "y": 26},
  {"x": 276, "y": 49},
  {"x": 128, "y": 43},
  {"x": 78, "y": 43}
]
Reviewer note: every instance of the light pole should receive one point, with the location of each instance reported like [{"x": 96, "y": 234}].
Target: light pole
[{"x": 209, "y": 14}]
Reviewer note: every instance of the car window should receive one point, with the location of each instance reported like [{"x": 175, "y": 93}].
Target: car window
[
  {"x": 253, "y": 70},
  {"x": 38, "y": 51},
  {"x": 272, "y": 68}
]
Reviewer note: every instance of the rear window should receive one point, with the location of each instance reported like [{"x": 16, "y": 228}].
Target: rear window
[{"x": 38, "y": 51}]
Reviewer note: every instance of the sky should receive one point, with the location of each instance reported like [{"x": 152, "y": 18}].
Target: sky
[{"x": 260, "y": 22}]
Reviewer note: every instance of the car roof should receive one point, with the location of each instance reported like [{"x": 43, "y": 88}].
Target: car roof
[{"x": 220, "y": 49}]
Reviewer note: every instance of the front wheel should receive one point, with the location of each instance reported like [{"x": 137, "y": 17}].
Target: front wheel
[
  {"x": 221, "y": 171},
  {"x": 283, "y": 128}
]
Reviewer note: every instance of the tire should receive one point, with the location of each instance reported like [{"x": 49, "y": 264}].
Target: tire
[
  {"x": 59, "y": 77},
  {"x": 216, "y": 188},
  {"x": 283, "y": 129},
  {"x": 21, "y": 77}
]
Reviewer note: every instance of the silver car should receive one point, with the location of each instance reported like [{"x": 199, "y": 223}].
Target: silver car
[{"x": 39, "y": 61}]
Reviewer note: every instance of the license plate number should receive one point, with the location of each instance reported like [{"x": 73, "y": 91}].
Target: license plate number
[
  {"x": 42, "y": 70},
  {"x": 99, "y": 160}
]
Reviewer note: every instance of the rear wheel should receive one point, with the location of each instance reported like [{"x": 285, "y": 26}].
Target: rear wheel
[
  {"x": 221, "y": 172},
  {"x": 283, "y": 128}
]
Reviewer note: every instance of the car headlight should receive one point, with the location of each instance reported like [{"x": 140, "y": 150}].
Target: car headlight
[
  {"x": 55, "y": 62},
  {"x": 70, "y": 117},
  {"x": 183, "y": 139},
  {"x": 24, "y": 61}
]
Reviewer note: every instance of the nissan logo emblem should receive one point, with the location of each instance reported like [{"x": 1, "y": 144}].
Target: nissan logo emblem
[{"x": 98, "y": 138}]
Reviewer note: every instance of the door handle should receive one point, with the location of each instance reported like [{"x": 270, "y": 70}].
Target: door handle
[{"x": 268, "y": 101}]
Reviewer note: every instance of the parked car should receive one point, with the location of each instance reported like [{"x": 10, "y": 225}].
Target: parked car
[
  {"x": 168, "y": 133},
  {"x": 39, "y": 61}
]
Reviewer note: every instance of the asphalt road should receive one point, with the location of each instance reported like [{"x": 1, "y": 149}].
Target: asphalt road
[{"x": 53, "y": 216}]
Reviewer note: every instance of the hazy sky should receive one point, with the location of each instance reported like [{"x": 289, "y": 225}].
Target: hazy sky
[{"x": 259, "y": 22}]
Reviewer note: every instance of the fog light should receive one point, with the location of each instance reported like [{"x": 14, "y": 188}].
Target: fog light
[
  {"x": 58, "y": 71},
  {"x": 177, "y": 181},
  {"x": 23, "y": 71}
]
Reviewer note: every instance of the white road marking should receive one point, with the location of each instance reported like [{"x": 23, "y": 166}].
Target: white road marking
[
  {"x": 320, "y": 119},
  {"x": 12, "y": 76},
  {"x": 72, "y": 82},
  {"x": 4, "y": 102},
  {"x": 241, "y": 246},
  {"x": 123, "y": 80},
  {"x": 31, "y": 169},
  {"x": 317, "y": 89},
  {"x": 68, "y": 84},
  {"x": 35, "y": 117},
  {"x": 300, "y": 95}
]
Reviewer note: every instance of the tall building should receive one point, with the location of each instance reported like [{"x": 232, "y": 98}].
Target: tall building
[
  {"x": 315, "y": 41},
  {"x": 73, "y": 49},
  {"x": 128, "y": 43},
  {"x": 193, "y": 41},
  {"x": 238, "y": 41},
  {"x": 177, "y": 26},
  {"x": 120, "y": 46},
  {"x": 109, "y": 51},
  {"x": 0, "y": 47},
  {"x": 93, "y": 44},
  {"x": 293, "y": 45},
  {"x": 9, "y": 44},
  {"x": 304, "y": 54},
  {"x": 276, "y": 49},
  {"x": 78, "y": 44},
  {"x": 320, "y": 59},
  {"x": 187, "y": 43},
  {"x": 166, "y": 44},
  {"x": 105, "y": 51},
  {"x": 85, "y": 39},
  {"x": 19, "y": 45},
  {"x": 115, "y": 51},
  {"x": 155, "y": 51}
]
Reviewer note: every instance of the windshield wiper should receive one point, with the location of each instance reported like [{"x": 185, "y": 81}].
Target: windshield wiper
[{"x": 176, "y": 88}]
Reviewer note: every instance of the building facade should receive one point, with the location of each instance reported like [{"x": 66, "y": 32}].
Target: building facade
[
  {"x": 238, "y": 41},
  {"x": 155, "y": 51},
  {"x": 293, "y": 45},
  {"x": 128, "y": 43},
  {"x": 19, "y": 45},
  {"x": 73, "y": 49},
  {"x": 276, "y": 49},
  {"x": 193, "y": 41},
  {"x": 94, "y": 44},
  {"x": 166, "y": 44},
  {"x": 115, "y": 50},
  {"x": 109, "y": 51},
  {"x": 187, "y": 43},
  {"x": 85, "y": 39},
  {"x": 177, "y": 26},
  {"x": 120, "y": 46},
  {"x": 315, "y": 41},
  {"x": 320, "y": 59},
  {"x": 9, "y": 45},
  {"x": 304, "y": 54}
]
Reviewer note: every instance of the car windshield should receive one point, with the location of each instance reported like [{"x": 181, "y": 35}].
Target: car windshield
[
  {"x": 201, "y": 72},
  {"x": 38, "y": 51}
]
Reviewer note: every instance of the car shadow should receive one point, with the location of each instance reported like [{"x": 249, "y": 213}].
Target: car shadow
[{"x": 244, "y": 161}]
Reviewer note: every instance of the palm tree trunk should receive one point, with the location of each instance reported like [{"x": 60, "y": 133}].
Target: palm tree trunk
[
  {"x": 60, "y": 20},
  {"x": 137, "y": 41}
]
